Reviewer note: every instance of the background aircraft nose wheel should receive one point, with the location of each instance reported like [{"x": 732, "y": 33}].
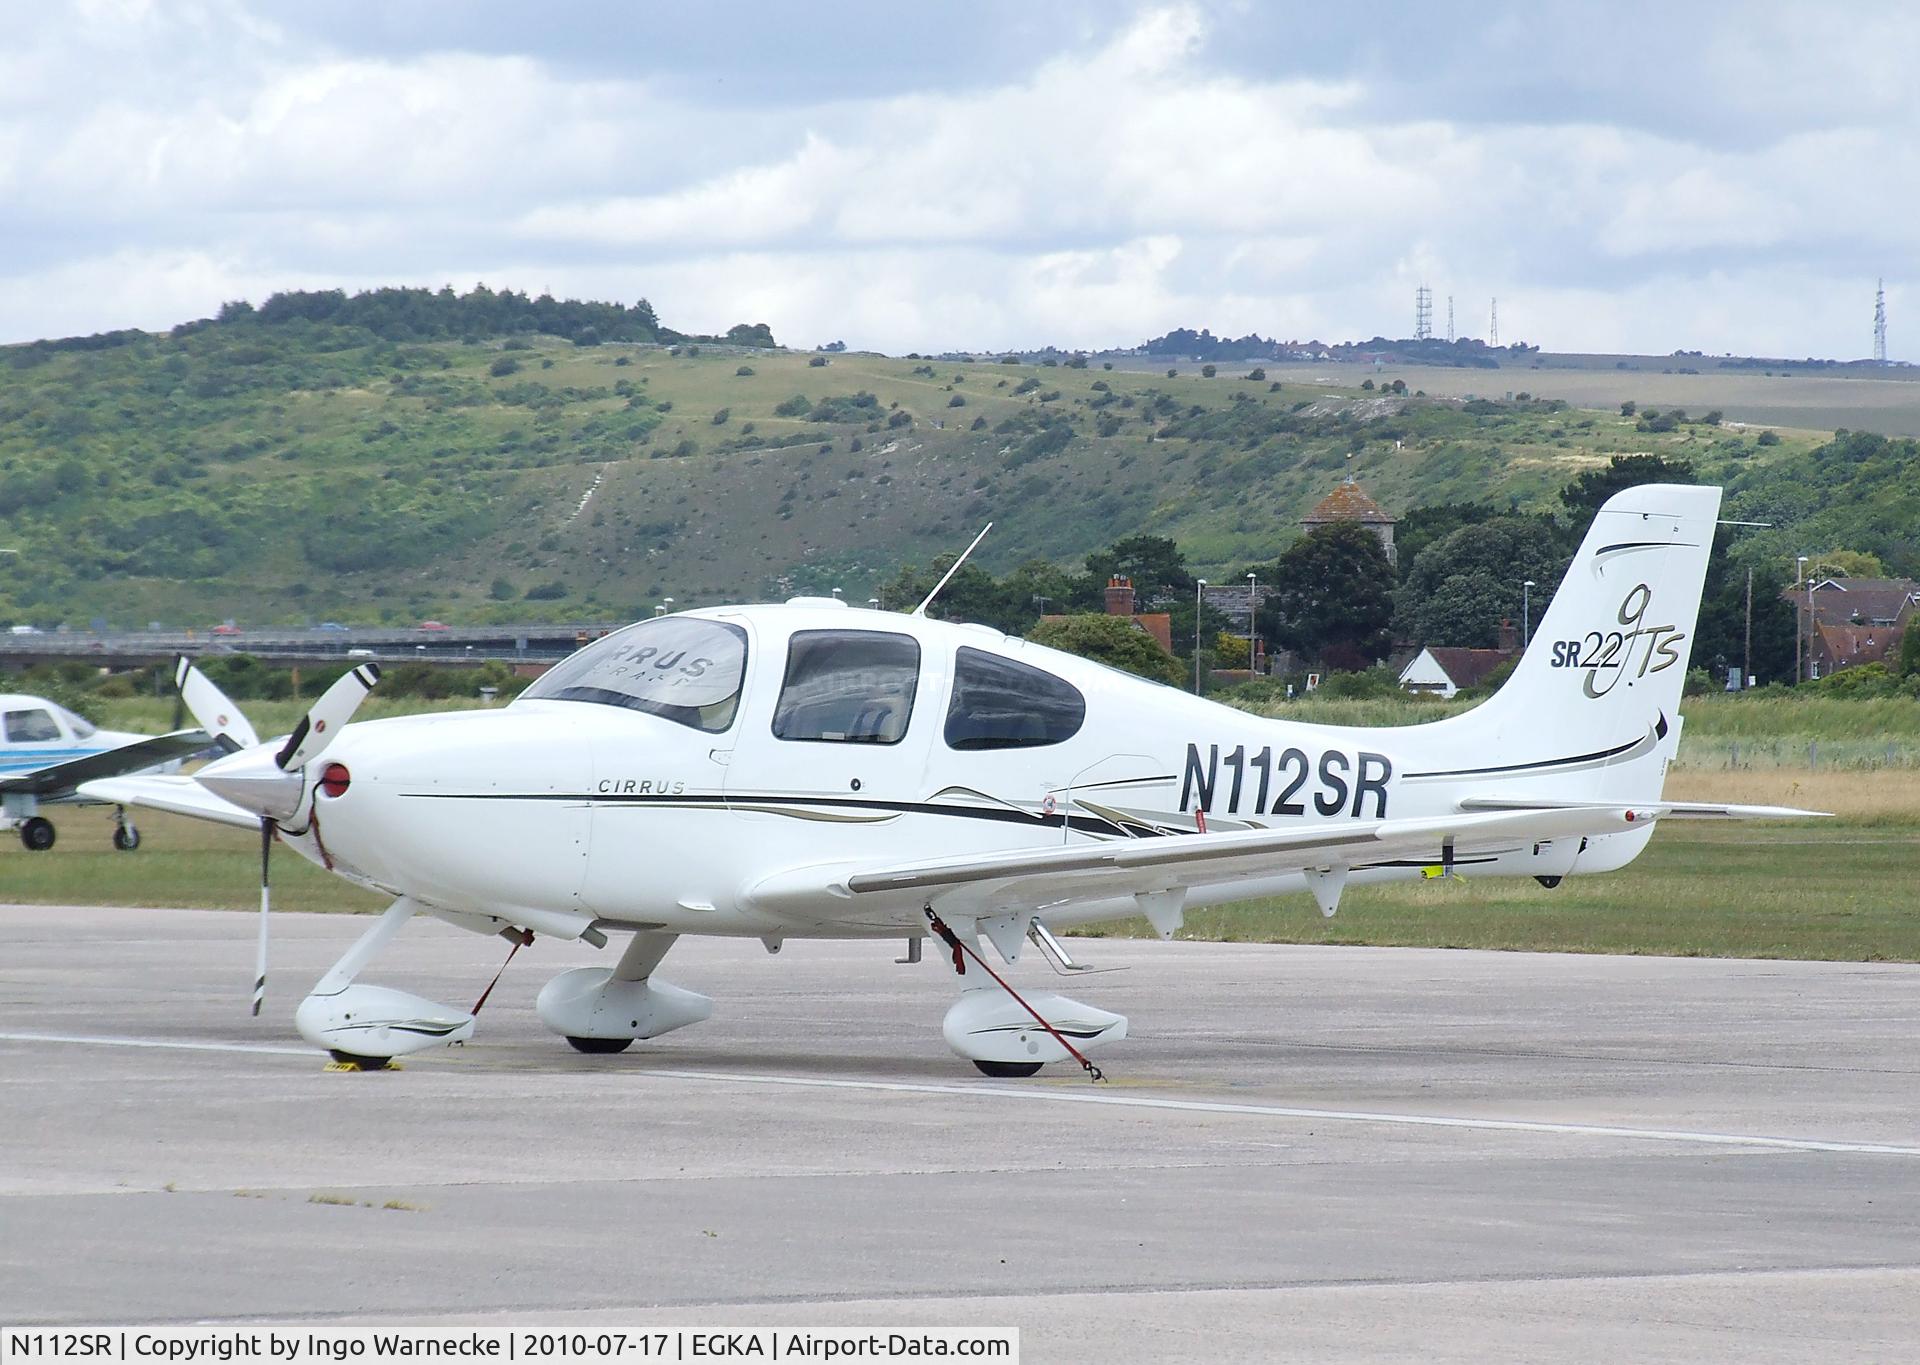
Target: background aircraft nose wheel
[
  {"x": 37, "y": 834},
  {"x": 599, "y": 1045},
  {"x": 1008, "y": 1069},
  {"x": 125, "y": 837}
]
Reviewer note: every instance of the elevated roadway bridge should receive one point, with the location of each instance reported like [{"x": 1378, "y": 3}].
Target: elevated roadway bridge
[{"x": 533, "y": 644}]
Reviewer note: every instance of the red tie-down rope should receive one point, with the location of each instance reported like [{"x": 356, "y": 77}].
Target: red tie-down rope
[
  {"x": 963, "y": 950},
  {"x": 519, "y": 938}
]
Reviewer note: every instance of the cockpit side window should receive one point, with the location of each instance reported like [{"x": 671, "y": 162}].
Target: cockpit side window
[
  {"x": 684, "y": 669},
  {"x": 31, "y": 727},
  {"x": 848, "y": 687},
  {"x": 1000, "y": 704}
]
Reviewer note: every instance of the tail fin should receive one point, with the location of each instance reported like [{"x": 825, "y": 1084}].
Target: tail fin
[{"x": 1594, "y": 704}]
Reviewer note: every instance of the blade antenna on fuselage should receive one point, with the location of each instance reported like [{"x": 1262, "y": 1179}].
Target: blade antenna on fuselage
[{"x": 921, "y": 610}]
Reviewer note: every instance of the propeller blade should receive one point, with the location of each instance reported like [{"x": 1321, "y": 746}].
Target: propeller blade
[
  {"x": 266, "y": 903},
  {"x": 212, "y": 708},
  {"x": 335, "y": 707}
]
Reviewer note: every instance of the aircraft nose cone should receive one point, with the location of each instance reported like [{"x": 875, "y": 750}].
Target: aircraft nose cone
[{"x": 252, "y": 781}]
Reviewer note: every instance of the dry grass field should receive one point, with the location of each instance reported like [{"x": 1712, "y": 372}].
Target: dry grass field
[
  {"x": 1889, "y": 797},
  {"x": 1888, "y": 404}
]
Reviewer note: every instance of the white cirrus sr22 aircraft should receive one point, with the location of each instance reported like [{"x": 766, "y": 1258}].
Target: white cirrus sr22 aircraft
[{"x": 810, "y": 770}]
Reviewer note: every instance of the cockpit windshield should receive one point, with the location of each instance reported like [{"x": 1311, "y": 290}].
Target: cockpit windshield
[
  {"x": 82, "y": 728},
  {"x": 681, "y": 668}
]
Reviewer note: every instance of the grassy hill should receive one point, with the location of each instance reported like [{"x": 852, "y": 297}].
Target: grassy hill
[{"x": 309, "y": 469}]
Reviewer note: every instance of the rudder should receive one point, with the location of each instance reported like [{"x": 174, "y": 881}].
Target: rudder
[{"x": 1600, "y": 682}]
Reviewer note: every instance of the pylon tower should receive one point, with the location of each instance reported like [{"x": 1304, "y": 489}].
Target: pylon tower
[
  {"x": 1449, "y": 319},
  {"x": 1493, "y": 325},
  {"x": 1423, "y": 314},
  {"x": 1880, "y": 322}
]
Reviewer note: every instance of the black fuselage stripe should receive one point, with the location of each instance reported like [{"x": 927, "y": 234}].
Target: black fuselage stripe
[
  {"x": 1542, "y": 765},
  {"x": 1084, "y": 823},
  {"x": 1081, "y": 824}
]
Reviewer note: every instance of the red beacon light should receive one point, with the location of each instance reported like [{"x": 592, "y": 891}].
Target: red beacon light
[{"x": 334, "y": 780}]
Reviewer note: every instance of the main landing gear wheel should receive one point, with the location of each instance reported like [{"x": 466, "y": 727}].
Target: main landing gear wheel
[
  {"x": 1007, "y": 1070},
  {"x": 37, "y": 834},
  {"x": 126, "y": 838},
  {"x": 599, "y": 1045}
]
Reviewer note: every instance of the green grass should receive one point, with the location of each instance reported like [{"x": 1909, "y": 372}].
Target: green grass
[
  {"x": 158, "y": 481},
  {"x": 1837, "y": 891},
  {"x": 180, "y": 862}
]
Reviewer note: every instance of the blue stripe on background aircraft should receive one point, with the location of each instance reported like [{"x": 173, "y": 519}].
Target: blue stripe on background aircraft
[
  {"x": 811, "y": 770},
  {"x": 46, "y": 752}
]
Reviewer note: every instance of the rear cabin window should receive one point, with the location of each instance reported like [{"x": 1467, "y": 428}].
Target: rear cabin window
[
  {"x": 31, "y": 727},
  {"x": 848, "y": 687},
  {"x": 682, "y": 668},
  {"x": 1000, "y": 704}
]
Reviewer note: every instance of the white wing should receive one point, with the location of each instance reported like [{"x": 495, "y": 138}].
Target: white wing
[
  {"x": 1045, "y": 877},
  {"x": 176, "y": 795}
]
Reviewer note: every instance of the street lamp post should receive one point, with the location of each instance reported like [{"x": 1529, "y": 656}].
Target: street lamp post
[
  {"x": 1526, "y": 613},
  {"x": 1802, "y": 624},
  {"x": 1253, "y": 623},
  {"x": 1199, "y": 588}
]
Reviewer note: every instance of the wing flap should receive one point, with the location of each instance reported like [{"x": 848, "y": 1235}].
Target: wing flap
[
  {"x": 174, "y": 794},
  {"x": 1657, "y": 810}
]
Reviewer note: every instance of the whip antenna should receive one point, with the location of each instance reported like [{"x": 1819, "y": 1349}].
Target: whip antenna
[{"x": 921, "y": 610}]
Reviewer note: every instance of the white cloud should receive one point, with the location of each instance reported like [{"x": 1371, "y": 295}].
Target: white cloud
[{"x": 167, "y": 157}]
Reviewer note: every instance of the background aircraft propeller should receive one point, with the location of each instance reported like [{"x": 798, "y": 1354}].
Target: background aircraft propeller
[{"x": 212, "y": 708}]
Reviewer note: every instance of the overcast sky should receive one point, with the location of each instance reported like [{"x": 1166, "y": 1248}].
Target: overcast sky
[{"x": 980, "y": 175}]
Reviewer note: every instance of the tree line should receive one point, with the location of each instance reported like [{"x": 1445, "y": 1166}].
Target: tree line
[
  {"x": 420, "y": 315},
  {"x": 1335, "y": 600}
]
